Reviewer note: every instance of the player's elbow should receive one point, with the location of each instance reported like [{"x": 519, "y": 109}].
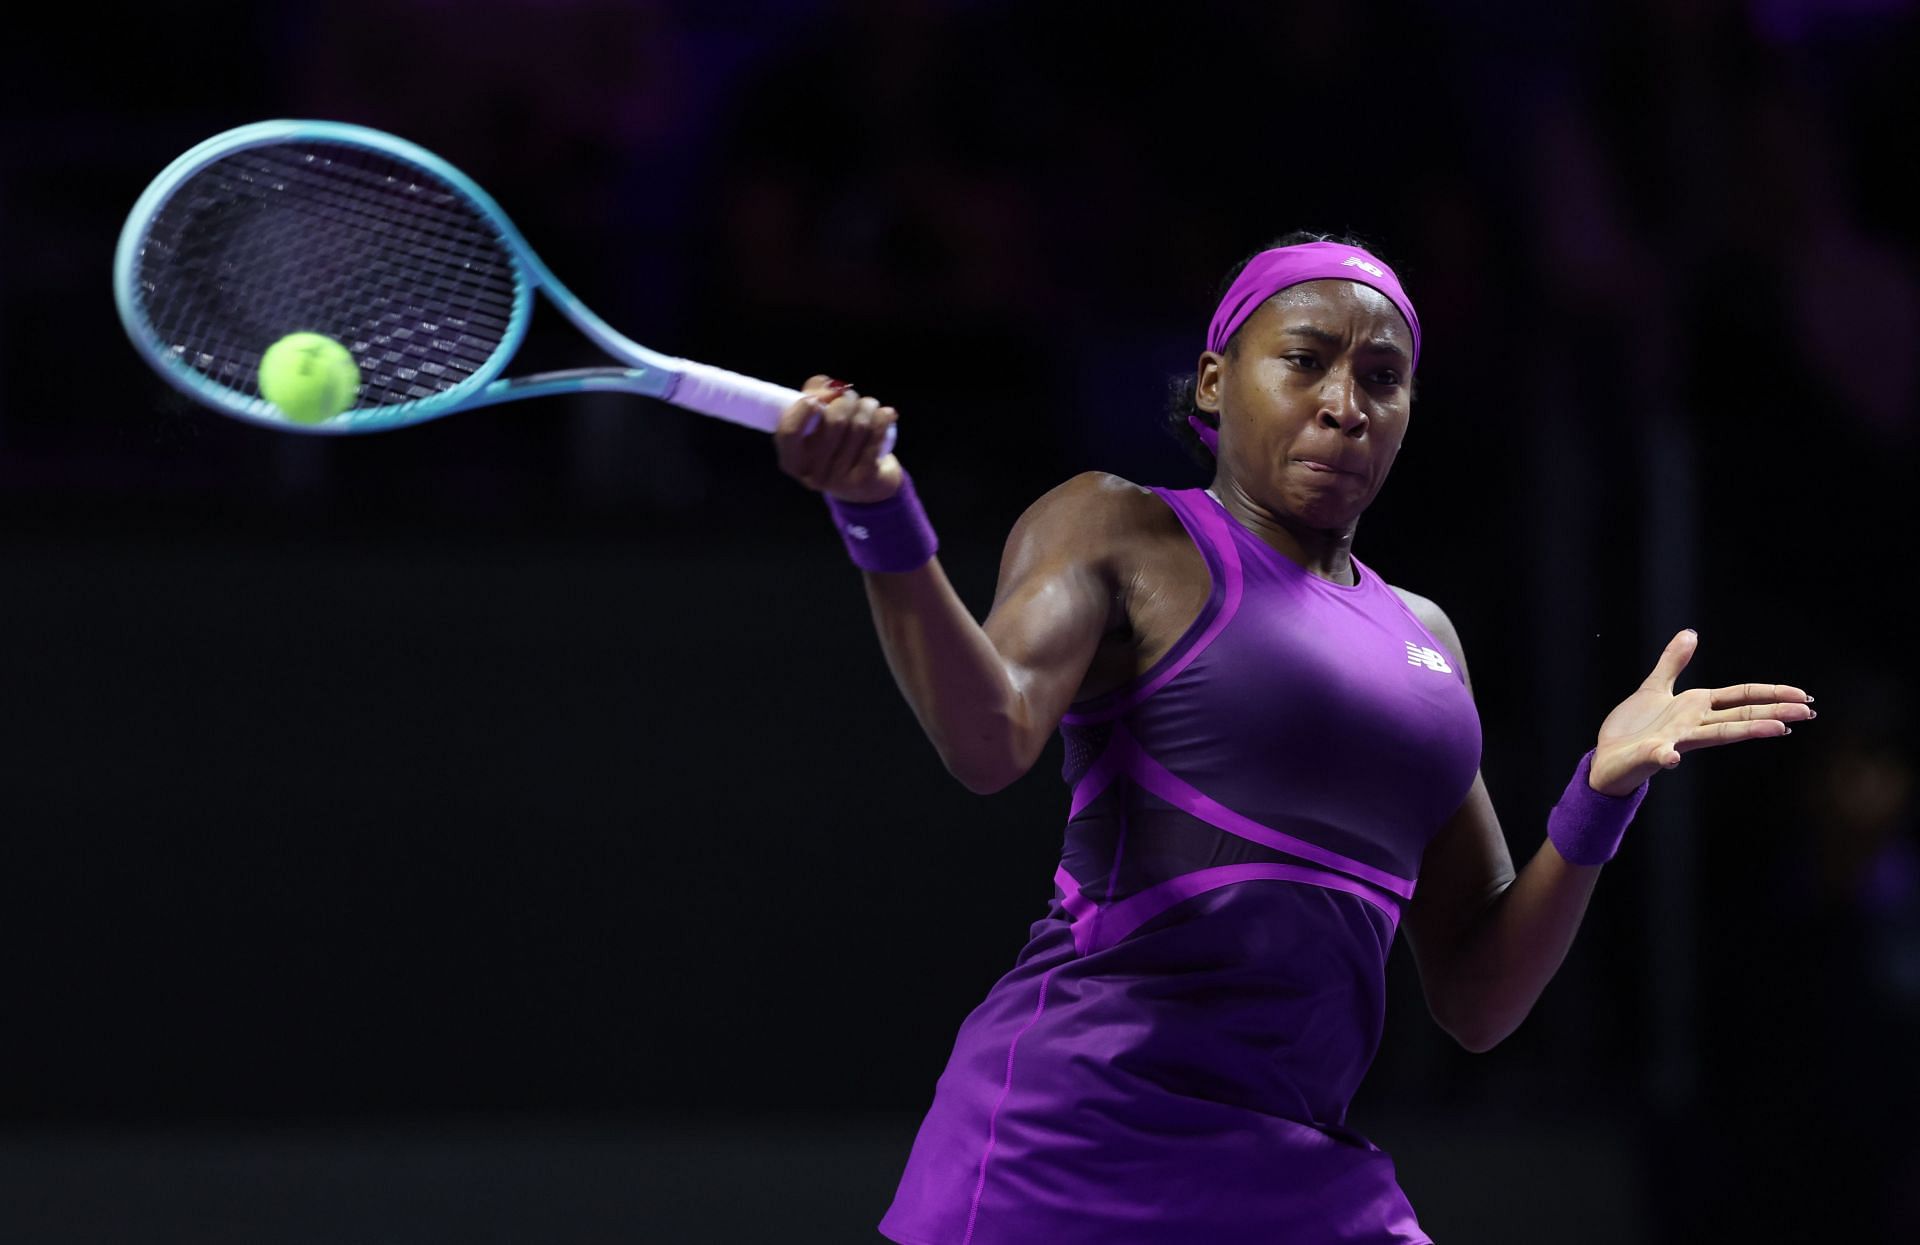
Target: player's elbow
[
  {"x": 1478, "y": 1043},
  {"x": 1474, "y": 1036},
  {"x": 983, "y": 776},
  {"x": 987, "y": 784},
  {"x": 988, "y": 769},
  {"x": 1474, "y": 1033},
  {"x": 992, "y": 755}
]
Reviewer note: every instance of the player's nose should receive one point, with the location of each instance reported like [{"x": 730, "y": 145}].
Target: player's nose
[{"x": 1340, "y": 408}]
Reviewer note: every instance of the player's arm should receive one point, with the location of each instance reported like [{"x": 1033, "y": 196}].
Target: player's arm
[
  {"x": 988, "y": 695},
  {"x": 1486, "y": 941}
]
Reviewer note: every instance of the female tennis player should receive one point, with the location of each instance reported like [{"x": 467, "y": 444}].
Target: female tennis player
[{"x": 1267, "y": 748}]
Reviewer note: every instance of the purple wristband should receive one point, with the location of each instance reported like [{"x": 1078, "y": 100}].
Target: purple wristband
[
  {"x": 891, "y": 535},
  {"x": 1586, "y": 826}
]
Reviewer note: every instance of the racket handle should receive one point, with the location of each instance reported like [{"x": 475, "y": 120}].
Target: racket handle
[
  {"x": 739, "y": 399},
  {"x": 730, "y": 396}
]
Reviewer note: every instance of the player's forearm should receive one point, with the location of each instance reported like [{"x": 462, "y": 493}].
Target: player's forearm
[
  {"x": 956, "y": 682},
  {"x": 1512, "y": 951}
]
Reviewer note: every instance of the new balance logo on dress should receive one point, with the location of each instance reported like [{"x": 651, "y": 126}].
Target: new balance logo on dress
[{"x": 1417, "y": 656}]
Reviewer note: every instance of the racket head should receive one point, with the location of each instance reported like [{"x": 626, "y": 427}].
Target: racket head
[{"x": 312, "y": 226}]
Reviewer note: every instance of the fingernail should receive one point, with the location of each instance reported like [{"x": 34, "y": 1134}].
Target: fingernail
[
  {"x": 1695, "y": 633},
  {"x": 1811, "y": 715}
]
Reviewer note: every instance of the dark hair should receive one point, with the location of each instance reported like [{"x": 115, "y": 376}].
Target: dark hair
[{"x": 1180, "y": 388}]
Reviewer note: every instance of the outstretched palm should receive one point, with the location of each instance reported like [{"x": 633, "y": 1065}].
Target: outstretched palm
[{"x": 1650, "y": 730}]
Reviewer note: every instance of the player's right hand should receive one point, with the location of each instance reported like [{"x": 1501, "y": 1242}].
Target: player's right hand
[{"x": 830, "y": 441}]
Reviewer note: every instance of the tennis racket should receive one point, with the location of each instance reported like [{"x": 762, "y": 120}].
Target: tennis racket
[{"x": 313, "y": 226}]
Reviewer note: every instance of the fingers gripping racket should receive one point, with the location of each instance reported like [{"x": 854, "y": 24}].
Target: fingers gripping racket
[{"x": 310, "y": 226}]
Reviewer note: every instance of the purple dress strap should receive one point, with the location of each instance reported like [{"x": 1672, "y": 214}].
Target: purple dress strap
[{"x": 1209, "y": 532}]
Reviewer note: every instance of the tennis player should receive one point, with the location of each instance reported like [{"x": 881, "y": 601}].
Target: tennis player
[{"x": 1273, "y": 758}]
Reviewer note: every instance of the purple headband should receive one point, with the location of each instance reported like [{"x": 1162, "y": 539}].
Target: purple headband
[{"x": 1269, "y": 272}]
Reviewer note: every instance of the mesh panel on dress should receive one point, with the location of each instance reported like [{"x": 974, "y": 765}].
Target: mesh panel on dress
[
  {"x": 380, "y": 255},
  {"x": 1163, "y": 843},
  {"x": 1084, "y": 744},
  {"x": 1160, "y": 843}
]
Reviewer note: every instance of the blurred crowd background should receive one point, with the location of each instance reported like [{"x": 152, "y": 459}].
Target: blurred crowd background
[{"x": 535, "y": 774}]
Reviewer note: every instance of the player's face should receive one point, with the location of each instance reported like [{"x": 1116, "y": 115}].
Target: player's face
[{"x": 1313, "y": 403}]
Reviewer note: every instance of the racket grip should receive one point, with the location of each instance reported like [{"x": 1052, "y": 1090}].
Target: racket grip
[
  {"x": 739, "y": 399},
  {"x": 730, "y": 396}
]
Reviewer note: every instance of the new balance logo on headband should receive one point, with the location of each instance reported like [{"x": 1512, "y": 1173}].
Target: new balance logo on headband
[
  {"x": 1418, "y": 656},
  {"x": 1354, "y": 261}
]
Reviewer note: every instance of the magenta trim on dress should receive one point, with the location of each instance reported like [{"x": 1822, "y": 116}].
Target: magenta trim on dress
[
  {"x": 1136, "y": 910},
  {"x": 1092, "y": 927},
  {"x": 980, "y": 1186},
  {"x": 1293, "y": 570},
  {"x": 1077, "y": 905},
  {"x": 1216, "y": 535},
  {"x": 1158, "y": 779},
  {"x": 1095, "y": 780}
]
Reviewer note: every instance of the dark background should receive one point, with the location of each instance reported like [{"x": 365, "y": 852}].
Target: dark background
[{"x": 506, "y": 829}]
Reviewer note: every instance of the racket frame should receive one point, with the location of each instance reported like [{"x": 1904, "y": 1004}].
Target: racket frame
[{"x": 648, "y": 373}]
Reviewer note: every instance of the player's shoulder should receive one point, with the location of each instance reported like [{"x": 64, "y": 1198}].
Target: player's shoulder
[
  {"x": 1423, "y": 607},
  {"x": 1098, "y": 496},
  {"x": 1095, "y": 509},
  {"x": 1432, "y": 617}
]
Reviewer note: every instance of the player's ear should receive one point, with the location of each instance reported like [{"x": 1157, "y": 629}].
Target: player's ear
[{"x": 1206, "y": 387}]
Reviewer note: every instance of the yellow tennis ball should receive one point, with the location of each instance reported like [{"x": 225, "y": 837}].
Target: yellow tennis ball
[{"x": 311, "y": 378}]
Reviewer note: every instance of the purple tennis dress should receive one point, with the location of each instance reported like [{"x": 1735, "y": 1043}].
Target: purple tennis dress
[{"x": 1169, "y": 1061}]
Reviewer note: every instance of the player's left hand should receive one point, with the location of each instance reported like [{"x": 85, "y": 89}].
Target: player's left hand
[{"x": 1650, "y": 730}]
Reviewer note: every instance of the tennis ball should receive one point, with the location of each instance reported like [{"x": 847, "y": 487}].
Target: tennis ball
[{"x": 311, "y": 378}]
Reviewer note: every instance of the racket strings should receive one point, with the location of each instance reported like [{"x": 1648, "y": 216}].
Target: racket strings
[{"x": 378, "y": 254}]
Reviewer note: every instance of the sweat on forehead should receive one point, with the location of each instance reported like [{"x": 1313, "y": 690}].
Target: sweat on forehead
[{"x": 1269, "y": 272}]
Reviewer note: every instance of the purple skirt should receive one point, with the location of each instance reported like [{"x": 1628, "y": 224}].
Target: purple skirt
[{"x": 1095, "y": 1100}]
